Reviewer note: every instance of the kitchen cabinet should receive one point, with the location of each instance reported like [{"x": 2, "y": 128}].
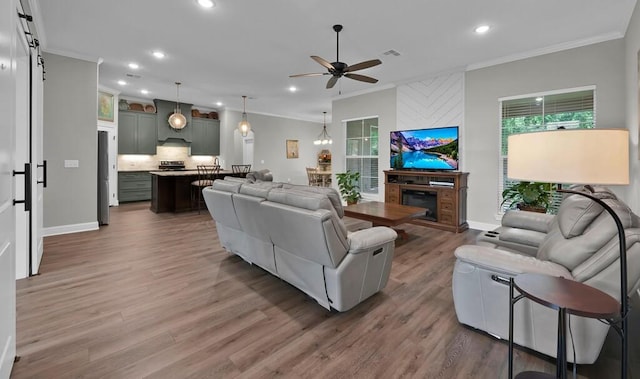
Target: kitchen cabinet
[
  {"x": 134, "y": 186},
  {"x": 206, "y": 136},
  {"x": 137, "y": 133}
]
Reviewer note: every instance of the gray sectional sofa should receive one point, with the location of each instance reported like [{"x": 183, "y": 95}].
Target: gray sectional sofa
[
  {"x": 296, "y": 233},
  {"x": 579, "y": 243}
]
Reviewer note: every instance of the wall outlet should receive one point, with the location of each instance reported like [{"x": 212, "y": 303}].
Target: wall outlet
[
  {"x": 262, "y": 161},
  {"x": 71, "y": 163}
]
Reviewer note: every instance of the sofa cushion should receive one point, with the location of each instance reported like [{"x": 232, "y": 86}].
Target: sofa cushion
[
  {"x": 577, "y": 212},
  {"x": 331, "y": 193},
  {"x": 306, "y": 200},
  {"x": 260, "y": 176},
  {"x": 227, "y": 186},
  {"x": 258, "y": 189}
]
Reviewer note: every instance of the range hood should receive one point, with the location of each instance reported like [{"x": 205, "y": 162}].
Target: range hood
[{"x": 164, "y": 109}]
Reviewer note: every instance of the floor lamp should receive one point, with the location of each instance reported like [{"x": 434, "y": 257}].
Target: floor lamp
[{"x": 579, "y": 156}]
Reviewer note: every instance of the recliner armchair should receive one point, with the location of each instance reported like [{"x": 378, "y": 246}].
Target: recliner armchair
[{"x": 580, "y": 244}]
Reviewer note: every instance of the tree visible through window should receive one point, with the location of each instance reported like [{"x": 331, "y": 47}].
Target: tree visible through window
[
  {"x": 567, "y": 110},
  {"x": 362, "y": 152}
]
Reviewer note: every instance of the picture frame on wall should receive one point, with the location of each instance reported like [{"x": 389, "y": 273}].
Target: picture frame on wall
[
  {"x": 105, "y": 106},
  {"x": 292, "y": 149}
]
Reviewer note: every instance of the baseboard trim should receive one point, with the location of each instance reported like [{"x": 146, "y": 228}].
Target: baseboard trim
[
  {"x": 481, "y": 225},
  {"x": 67, "y": 229}
]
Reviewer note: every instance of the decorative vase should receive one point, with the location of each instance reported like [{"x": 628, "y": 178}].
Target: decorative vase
[{"x": 123, "y": 105}]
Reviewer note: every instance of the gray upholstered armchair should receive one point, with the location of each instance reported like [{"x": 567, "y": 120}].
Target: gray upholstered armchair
[{"x": 580, "y": 243}]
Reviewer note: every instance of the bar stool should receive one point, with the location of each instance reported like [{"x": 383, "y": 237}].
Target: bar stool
[
  {"x": 206, "y": 175},
  {"x": 240, "y": 168}
]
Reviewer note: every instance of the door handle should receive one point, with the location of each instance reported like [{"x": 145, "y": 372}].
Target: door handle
[
  {"x": 44, "y": 173},
  {"x": 27, "y": 187}
]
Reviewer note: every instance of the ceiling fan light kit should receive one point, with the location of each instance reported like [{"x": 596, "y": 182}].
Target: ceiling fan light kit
[
  {"x": 339, "y": 69},
  {"x": 324, "y": 137},
  {"x": 177, "y": 120},
  {"x": 244, "y": 126}
]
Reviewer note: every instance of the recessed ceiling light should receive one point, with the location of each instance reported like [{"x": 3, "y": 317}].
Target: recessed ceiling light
[
  {"x": 144, "y": 92},
  {"x": 206, "y": 3},
  {"x": 158, "y": 54},
  {"x": 219, "y": 103},
  {"x": 482, "y": 29},
  {"x": 122, "y": 82},
  {"x": 293, "y": 89},
  {"x": 133, "y": 66}
]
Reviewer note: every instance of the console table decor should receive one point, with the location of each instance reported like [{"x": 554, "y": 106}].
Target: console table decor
[{"x": 443, "y": 193}]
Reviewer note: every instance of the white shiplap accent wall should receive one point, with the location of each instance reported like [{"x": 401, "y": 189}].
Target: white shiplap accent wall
[{"x": 438, "y": 101}]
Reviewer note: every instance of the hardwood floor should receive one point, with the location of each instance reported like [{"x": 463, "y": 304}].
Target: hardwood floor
[{"x": 154, "y": 295}]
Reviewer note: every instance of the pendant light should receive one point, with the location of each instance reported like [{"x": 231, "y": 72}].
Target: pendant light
[
  {"x": 177, "y": 120},
  {"x": 324, "y": 137},
  {"x": 243, "y": 126}
]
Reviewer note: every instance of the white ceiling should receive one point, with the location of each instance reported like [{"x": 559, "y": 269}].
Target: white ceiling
[{"x": 250, "y": 47}]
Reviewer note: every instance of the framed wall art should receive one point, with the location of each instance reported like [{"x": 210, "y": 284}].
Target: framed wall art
[
  {"x": 105, "y": 106},
  {"x": 292, "y": 149}
]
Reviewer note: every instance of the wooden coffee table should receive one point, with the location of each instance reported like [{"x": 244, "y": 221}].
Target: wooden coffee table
[{"x": 385, "y": 214}]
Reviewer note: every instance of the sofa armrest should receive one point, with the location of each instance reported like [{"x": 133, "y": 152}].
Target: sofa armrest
[
  {"x": 366, "y": 239},
  {"x": 539, "y": 222},
  {"x": 507, "y": 262}
]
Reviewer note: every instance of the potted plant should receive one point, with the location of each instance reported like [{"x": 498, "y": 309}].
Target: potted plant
[
  {"x": 348, "y": 186},
  {"x": 528, "y": 196}
]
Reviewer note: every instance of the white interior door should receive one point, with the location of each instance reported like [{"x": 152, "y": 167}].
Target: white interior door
[
  {"x": 37, "y": 164},
  {"x": 7, "y": 210},
  {"x": 247, "y": 149},
  {"x": 22, "y": 151}
]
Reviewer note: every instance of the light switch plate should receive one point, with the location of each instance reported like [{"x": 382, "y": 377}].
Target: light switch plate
[{"x": 71, "y": 163}]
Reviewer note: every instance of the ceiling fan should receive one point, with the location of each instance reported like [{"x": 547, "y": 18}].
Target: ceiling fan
[{"x": 339, "y": 69}]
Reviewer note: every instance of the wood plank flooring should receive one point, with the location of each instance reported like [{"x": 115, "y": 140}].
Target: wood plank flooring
[{"x": 155, "y": 296}]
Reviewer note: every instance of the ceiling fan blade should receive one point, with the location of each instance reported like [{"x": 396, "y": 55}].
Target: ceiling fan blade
[
  {"x": 313, "y": 74},
  {"x": 323, "y": 62},
  {"x": 363, "y": 65},
  {"x": 361, "y": 78},
  {"x": 332, "y": 82}
]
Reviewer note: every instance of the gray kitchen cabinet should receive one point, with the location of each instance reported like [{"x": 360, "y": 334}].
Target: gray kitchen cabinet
[
  {"x": 137, "y": 133},
  {"x": 206, "y": 136},
  {"x": 134, "y": 186}
]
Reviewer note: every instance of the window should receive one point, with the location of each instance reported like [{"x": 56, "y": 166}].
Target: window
[
  {"x": 565, "y": 110},
  {"x": 362, "y": 153}
]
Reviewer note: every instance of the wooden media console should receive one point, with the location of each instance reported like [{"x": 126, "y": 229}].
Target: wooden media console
[{"x": 443, "y": 193}]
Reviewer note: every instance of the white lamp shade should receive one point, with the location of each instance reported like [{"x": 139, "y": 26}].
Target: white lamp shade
[{"x": 577, "y": 156}]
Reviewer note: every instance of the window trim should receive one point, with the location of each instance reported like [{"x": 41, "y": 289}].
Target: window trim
[{"x": 365, "y": 196}]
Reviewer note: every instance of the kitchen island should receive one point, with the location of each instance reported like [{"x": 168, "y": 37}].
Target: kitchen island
[{"x": 171, "y": 190}]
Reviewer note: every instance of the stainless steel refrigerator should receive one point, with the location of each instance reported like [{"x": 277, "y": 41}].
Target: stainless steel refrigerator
[{"x": 103, "y": 178}]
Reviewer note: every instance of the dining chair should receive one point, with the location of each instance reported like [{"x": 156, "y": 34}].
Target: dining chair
[
  {"x": 206, "y": 175},
  {"x": 314, "y": 178}
]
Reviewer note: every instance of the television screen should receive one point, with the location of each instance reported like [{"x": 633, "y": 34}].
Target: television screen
[{"x": 425, "y": 149}]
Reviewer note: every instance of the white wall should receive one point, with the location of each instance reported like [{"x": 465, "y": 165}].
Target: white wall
[
  {"x": 632, "y": 95},
  {"x": 600, "y": 64},
  {"x": 70, "y": 114},
  {"x": 437, "y": 101},
  {"x": 270, "y": 135},
  {"x": 381, "y": 104}
]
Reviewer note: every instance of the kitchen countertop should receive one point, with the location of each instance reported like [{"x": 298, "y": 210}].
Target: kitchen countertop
[{"x": 184, "y": 173}]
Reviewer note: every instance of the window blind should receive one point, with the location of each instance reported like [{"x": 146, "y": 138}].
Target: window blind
[{"x": 536, "y": 113}]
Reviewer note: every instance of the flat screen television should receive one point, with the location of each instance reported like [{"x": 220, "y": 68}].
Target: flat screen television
[{"x": 425, "y": 149}]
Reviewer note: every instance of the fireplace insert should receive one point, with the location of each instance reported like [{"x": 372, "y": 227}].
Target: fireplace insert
[{"x": 423, "y": 199}]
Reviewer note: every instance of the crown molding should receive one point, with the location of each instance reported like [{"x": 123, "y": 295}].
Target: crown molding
[{"x": 546, "y": 50}]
